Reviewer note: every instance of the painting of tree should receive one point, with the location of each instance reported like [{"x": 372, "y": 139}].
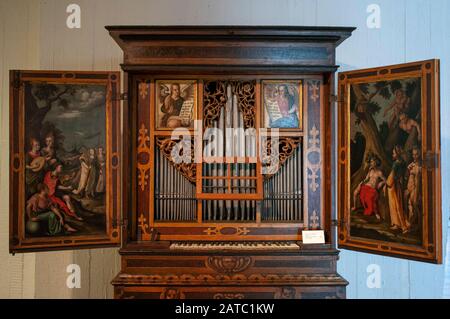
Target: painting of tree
[{"x": 385, "y": 119}]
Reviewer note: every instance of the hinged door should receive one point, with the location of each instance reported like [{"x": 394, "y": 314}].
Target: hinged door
[
  {"x": 65, "y": 160},
  {"x": 389, "y": 183}
]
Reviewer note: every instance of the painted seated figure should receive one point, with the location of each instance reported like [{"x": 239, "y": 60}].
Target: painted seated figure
[{"x": 44, "y": 216}]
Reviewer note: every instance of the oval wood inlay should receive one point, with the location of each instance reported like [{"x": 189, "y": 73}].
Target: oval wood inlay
[
  {"x": 69, "y": 75},
  {"x": 16, "y": 163},
  {"x": 115, "y": 160}
]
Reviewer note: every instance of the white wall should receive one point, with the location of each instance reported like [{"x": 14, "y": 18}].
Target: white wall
[{"x": 34, "y": 35}]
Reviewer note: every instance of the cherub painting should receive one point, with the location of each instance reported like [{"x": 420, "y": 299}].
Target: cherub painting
[
  {"x": 282, "y": 105},
  {"x": 176, "y": 104}
]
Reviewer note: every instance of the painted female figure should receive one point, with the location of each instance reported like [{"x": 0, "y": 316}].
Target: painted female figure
[
  {"x": 101, "y": 160},
  {"x": 288, "y": 109},
  {"x": 48, "y": 151},
  {"x": 85, "y": 168},
  {"x": 92, "y": 177},
  {"x": 34, "y": 166},
  {"x": 40, "y": 209},
  {"x": 395, "y": 193}
]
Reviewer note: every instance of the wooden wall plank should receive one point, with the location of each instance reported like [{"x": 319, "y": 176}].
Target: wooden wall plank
[{"x": 19, "y": 43}]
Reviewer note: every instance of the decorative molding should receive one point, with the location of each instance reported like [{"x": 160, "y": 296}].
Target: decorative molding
[
  {"x": 228, "y": 264},
  {"x": 194, "y": 279},
  {"x": 171, "y": 293},
  {"x": 188, "y": 170},
  {"x": 143, "y": 157},
  {"x": 286, "y": 293}
]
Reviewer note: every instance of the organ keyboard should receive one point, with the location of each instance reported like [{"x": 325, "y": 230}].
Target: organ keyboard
[{"x": 227, "y": 245}]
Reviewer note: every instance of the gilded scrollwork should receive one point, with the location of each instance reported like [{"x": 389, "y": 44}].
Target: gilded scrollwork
[
  {"x": 286, "y": 147},
  {"x": 188, "y": 170},
  {"x": 215, "y": 97},
  {"x": 245, "y": 93}
]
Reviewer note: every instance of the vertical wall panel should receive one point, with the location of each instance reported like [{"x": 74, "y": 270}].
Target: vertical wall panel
[{"x": 19, "y": 45}]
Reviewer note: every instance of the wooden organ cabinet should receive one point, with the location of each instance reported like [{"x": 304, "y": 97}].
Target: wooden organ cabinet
[{"x": 213, "y": 218}]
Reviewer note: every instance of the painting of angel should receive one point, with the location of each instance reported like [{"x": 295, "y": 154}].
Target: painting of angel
[
  {"x": 176, "y": 104},
  {"x": 282, "y": 104}
]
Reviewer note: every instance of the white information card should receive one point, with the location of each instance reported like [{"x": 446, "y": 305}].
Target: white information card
[{"x": 313, "y": 237}]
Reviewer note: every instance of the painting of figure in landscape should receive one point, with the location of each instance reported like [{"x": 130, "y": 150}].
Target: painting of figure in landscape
[
  {"x": 282, "y": 104},
  {"x": 65, "y": 161},
  {"x": 385, "y": 163},
  {"x": 176, "y": 104}
]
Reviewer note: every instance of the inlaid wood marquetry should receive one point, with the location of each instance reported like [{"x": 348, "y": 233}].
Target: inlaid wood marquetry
[
  {"x": 220, "y": 227},
  {"x": 143, "y": 155}
]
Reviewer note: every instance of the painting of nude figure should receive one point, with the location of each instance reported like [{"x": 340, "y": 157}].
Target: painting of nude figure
[
  {"x": 65, "y": 173},
  {"x": 386, "y": 165}
]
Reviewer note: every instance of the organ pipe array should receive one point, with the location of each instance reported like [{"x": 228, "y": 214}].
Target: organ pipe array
[
  {"x": 229, "y": 167},
  {"x": 174, "y": 194},
  {"x": 234, "y": 176},
  {"x": 282, "y": 192}
]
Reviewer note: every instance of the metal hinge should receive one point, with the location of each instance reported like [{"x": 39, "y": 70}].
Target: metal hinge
[
  {"x": 338, "y": 223},
  {"x": 120, "y": 223},
  {"x": 430, "y": 160},
  {"x": 334, "y": 99},
  {"x": 122, "y": 97},
  {"x": 16, "y": 80}
]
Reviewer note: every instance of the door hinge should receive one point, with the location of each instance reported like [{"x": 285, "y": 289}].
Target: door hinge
[
  {"x": 120, "y": 223},
  {"x": 16, "y": 80},
  {"x": 430, "y": 160},
  {"x": 120, "y": 97},
  {"x": 334, "y": 99},
  {"x": 338, "y": 223}
]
